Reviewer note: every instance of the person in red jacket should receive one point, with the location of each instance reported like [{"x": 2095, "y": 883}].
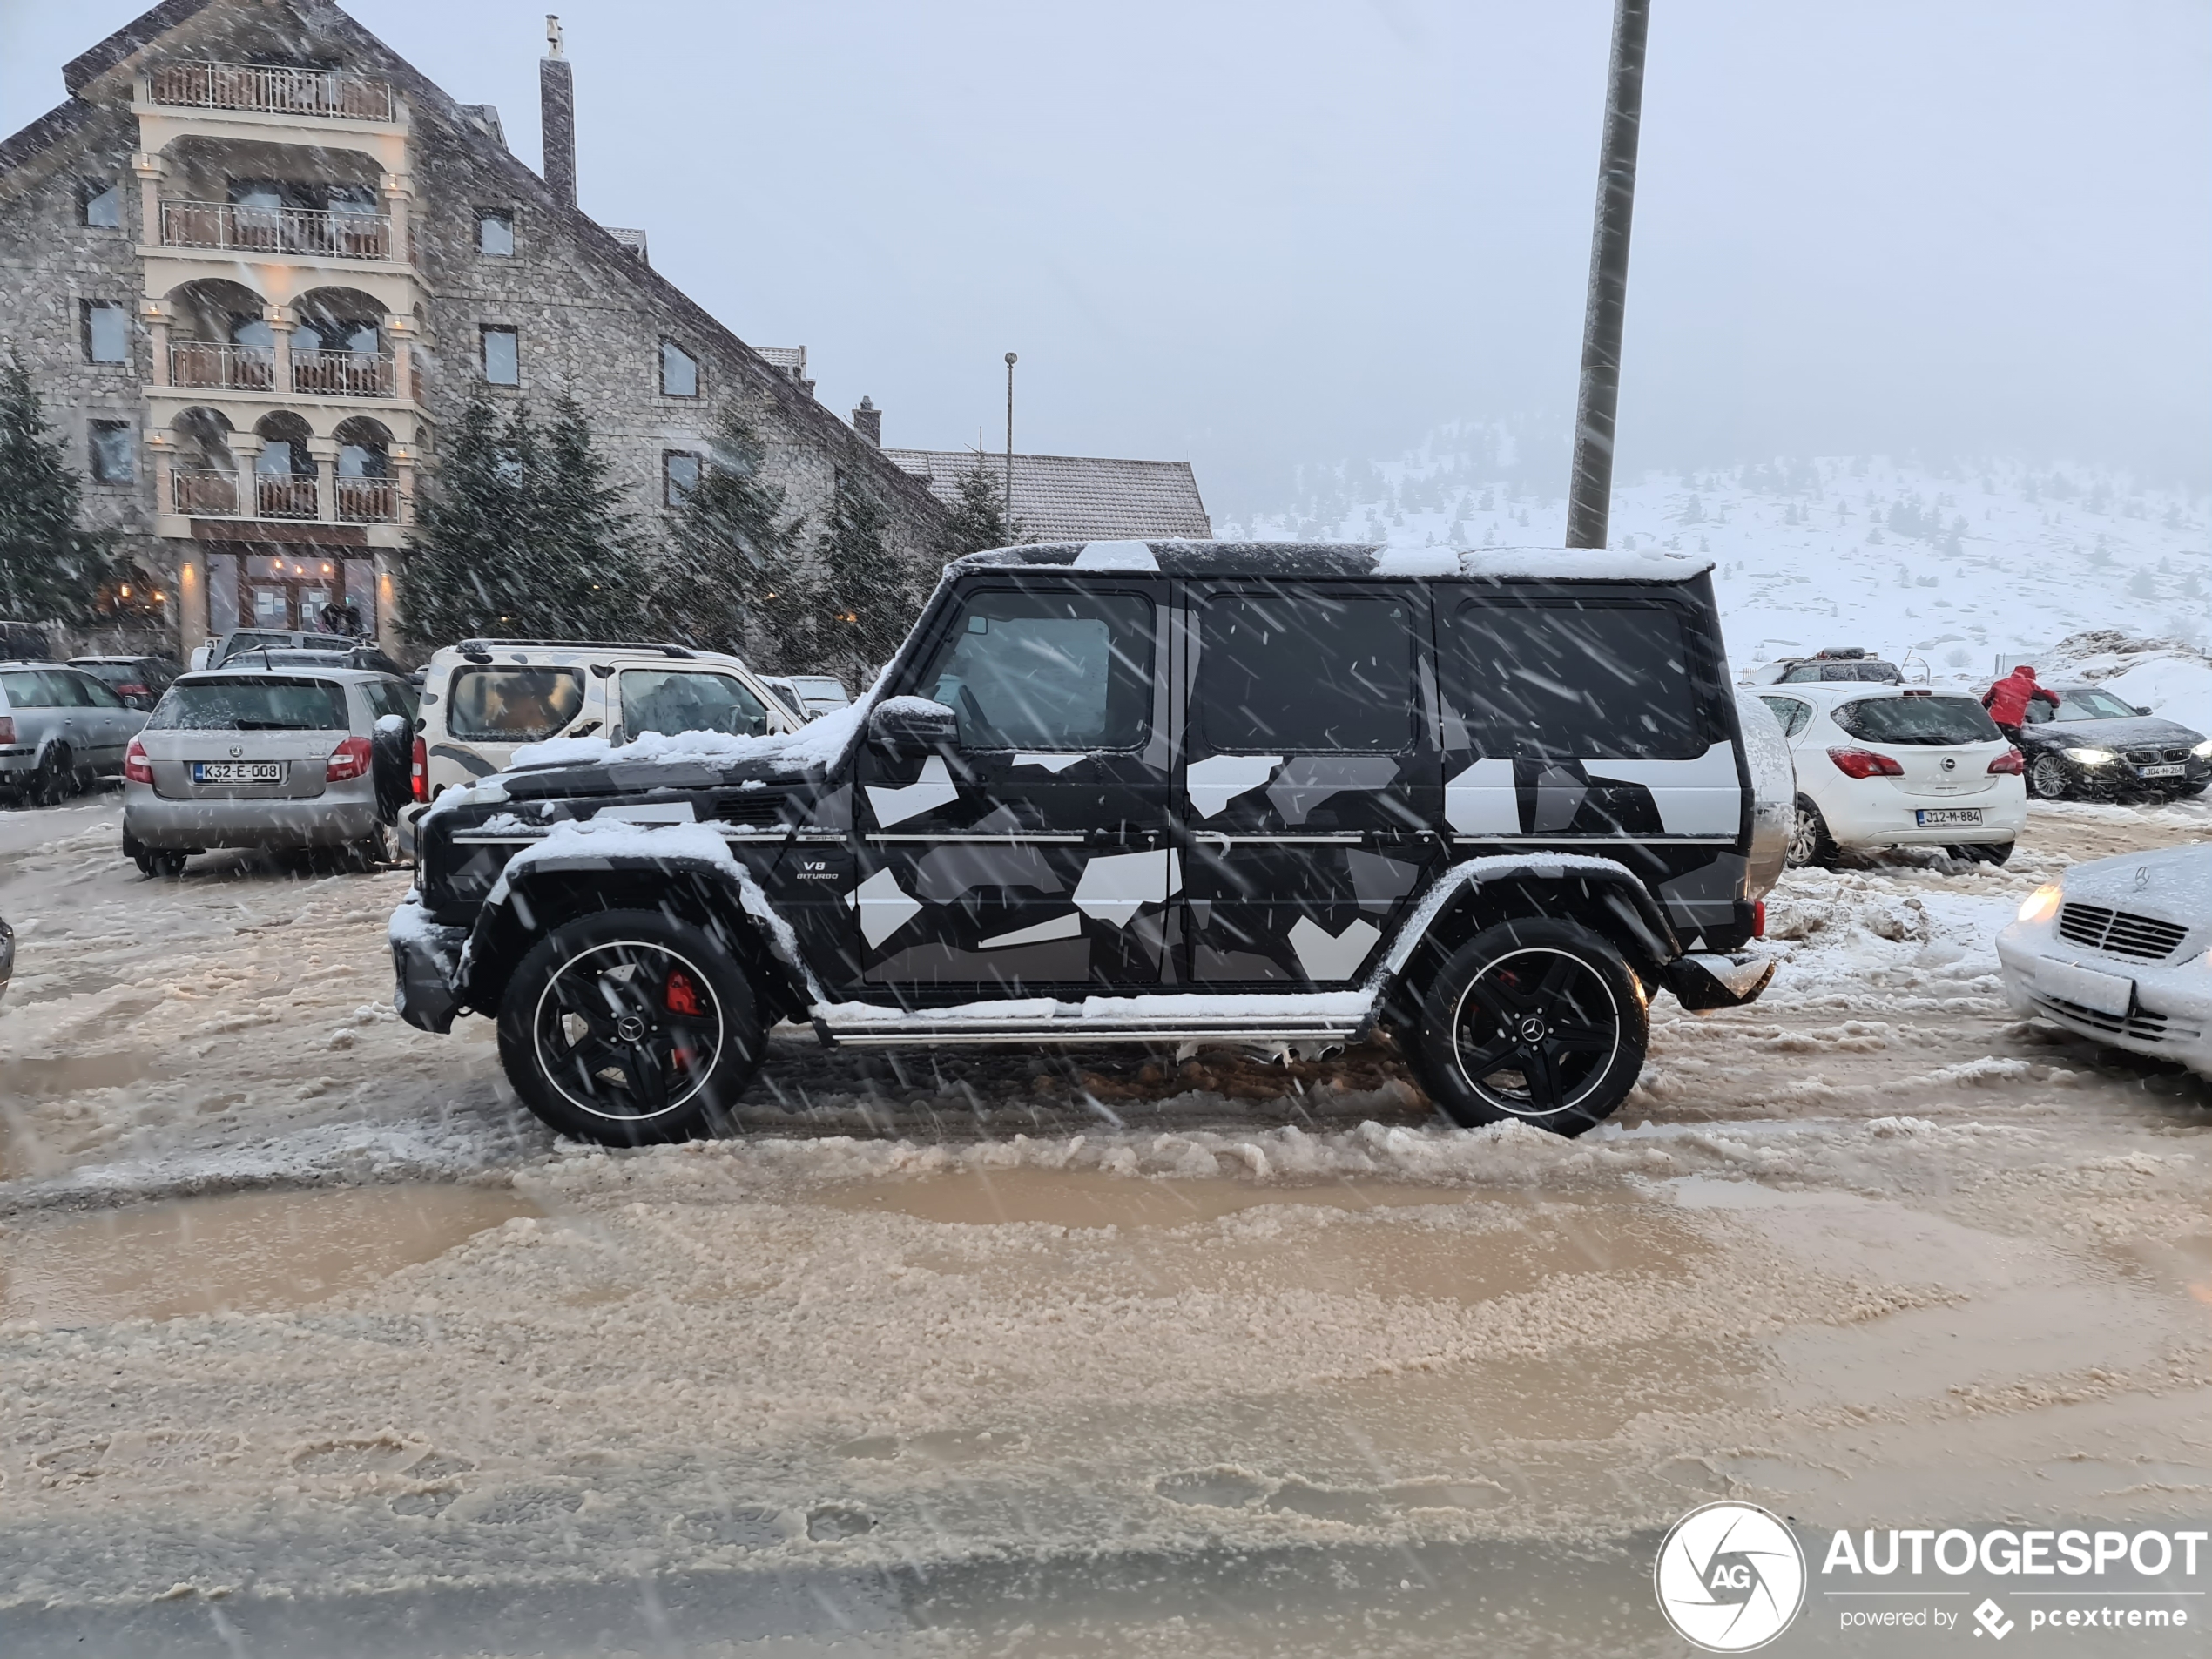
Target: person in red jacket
[{"x": 2007, "y": 700}]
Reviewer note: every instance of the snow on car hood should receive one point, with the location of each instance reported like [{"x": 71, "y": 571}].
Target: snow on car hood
[
  {"x": 2108, "y": 734},
  {"x": 819, "y": 744},
  {"x": 2175, "y": 882}
]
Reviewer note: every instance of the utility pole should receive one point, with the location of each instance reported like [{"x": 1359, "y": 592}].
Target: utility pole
[
  {"x": 1009, "y": 437},
  {"x": 1589, "y": 498}
]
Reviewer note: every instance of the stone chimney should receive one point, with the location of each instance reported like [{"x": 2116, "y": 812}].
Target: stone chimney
[
  {"x": 867, "y": 420},
  {"x": 557, "y": 104}
]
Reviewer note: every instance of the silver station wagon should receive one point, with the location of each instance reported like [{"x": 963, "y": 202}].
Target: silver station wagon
[{"x": 269, "y": 757}]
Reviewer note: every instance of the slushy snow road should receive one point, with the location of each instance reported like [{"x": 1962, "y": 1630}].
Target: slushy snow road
[{"x": 311, "y": 1341}]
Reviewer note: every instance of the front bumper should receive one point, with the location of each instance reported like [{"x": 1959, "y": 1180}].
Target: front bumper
[
  {"x": 425, "y": 965},
  {"x": 343, "y": 814},
  {"x": 2167, "y": 1016}
]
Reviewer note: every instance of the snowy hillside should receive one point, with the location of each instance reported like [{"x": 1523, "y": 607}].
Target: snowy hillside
[{"x": 1957, "y": 568}]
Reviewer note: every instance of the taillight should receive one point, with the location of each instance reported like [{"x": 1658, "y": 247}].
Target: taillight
[
  {"x": 1865, "y": 763},
  {"x": 2011, "y": 764},
  {"x": 349, "y": 759},
  {"x": 421, "y": 781},
  {"x": 136, "y": 769},
  {"x": 132, "y": 691},
  {"x": 7, "y": 729},
  {"x": 1758, "y": 919}
]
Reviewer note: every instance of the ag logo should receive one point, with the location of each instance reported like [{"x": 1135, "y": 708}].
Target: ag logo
[{"x": 1730, "y": 1577}]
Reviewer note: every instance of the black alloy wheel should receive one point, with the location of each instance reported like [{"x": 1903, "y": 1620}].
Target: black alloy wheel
[
  {"x": 1537, "y": 1019},
  {"x": 629, "y": 1029},
  {"x": 2049, "y": 777}
]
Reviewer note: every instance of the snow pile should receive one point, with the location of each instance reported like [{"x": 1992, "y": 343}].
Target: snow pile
[{"x": 2165, "y": 676}]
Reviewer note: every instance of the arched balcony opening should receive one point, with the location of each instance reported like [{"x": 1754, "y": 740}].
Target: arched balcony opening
[
  {"x": 366, "y": 492},
  {"x": 339, "y": 348},
  {"x": 218, "y": 337},
  {"x": 202, "y": 475},
  {"x": 285, "y": 485},
  {"x": 289, "y": 201}
]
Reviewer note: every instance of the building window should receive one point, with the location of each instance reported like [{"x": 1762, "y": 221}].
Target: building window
[
  {"x": 103, "y": 205},
  {"x": 679, "y": 371},
  {"x": 115, "y": 459},
  {"x": 679, "y": 475},
  {"x": 495, "y": 234},
  {"x": 503, "y": 356},
  {"x": 107, "y": 332}
]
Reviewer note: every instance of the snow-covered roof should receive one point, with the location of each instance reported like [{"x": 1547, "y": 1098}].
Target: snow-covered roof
[
  {"x": 1195, "y": 558},
  {"x": 1066, "y": 497}
]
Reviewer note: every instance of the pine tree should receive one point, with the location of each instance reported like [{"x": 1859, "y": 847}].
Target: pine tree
[
  {"x": 980, "y": 518},
  {"x": 731, "y": 575},
  {"x": 868, "y": 597},
  {"x": 588, "y": 576},
  {"x": 50, "y": 569},
  {"x": 522, "y": 535}
]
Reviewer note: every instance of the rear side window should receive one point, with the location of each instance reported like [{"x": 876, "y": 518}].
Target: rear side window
[
  {"x": 1598, "y": 682},
  {"x": 26, "y": 691},
  {"x": 1047, "y": 671},
  {"x": 1305, "y": 673},
  {"x": 1931, "y": 721},
  {"x": 1792, "y": 713},
  {"x": 518, "y": 705},
  {"x": 251, "y": 704},
  {"x": 669, "y": 700}
]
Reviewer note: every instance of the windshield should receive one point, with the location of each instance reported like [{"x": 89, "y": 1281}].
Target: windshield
[
  {"x": 259, "y": 703},
  {"x": 2081, "y": 703},
  {"x": 1925, "y": 721}
]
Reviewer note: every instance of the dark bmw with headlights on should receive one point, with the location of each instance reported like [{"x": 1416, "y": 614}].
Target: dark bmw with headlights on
[{"x": 2096, "y": 745}]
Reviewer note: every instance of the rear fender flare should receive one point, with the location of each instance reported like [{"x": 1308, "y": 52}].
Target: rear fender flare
[
  {"x": 548, "y": 892},
  {"x": 1631, "y": 917}
]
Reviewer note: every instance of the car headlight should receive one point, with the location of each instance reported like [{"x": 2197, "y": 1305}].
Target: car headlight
[
  {"x": 2089, "y": 757},
  {"x": 2042, "y": 902},
  {"x": 2203, "y": 750}
]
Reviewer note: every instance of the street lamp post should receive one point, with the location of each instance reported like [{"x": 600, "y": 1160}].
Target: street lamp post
[
  {"x": 1590, "y": 500},
  {"x": 1009, "y": 437}
]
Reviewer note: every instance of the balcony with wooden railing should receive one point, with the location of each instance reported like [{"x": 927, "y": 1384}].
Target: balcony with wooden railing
[
  {"x": 367, "y": 501},
  {"x": 200, "y": 492},
  {"x": 344, "y": 373},
  {"x": 286, "y": 494},
  {"x": 271, "y": 89},
  {"x": 201, "y": 364},
  {"x": 285, "y": 233}
]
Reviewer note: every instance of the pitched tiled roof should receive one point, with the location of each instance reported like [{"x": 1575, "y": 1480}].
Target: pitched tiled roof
[{"x": 1077, "y": 498}]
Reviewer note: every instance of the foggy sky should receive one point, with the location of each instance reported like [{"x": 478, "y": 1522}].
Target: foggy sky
[{"x": 1260, "y": 234}]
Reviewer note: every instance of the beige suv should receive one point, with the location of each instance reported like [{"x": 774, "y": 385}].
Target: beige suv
[{"x": 485, "y": 698}]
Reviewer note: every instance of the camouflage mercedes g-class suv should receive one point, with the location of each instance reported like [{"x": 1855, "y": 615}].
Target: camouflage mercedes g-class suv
[{"x": 1487, "y": 804}]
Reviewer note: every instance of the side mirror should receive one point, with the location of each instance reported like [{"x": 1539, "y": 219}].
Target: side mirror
[
  {"x": 913, "y": 725},
  {"x": 2140, "y": 709}
]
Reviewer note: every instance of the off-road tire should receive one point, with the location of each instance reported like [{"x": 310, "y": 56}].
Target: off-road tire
[
  {"x": 600, "y": 1054},
  {"x": 1810, "y": 841},
  {"x": 1536, "y": 1019},
  {"x": 2048, "y": 779}
]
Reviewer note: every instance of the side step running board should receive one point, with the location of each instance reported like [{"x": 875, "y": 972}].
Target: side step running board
[{"x": 922, "y": 1029}]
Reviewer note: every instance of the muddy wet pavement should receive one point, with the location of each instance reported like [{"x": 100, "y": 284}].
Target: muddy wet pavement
[{"x": 310, "y": 1341}]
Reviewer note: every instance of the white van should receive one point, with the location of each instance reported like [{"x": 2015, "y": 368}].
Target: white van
[{"x": 484, "y": 698}]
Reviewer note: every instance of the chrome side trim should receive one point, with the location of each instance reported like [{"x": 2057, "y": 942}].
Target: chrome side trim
[
  {"x": 991, "y": 840},
  {"x": 1567, "y": 843}
]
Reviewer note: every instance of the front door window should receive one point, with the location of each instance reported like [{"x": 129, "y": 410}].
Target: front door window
[{"x": 1032, "y": 850}]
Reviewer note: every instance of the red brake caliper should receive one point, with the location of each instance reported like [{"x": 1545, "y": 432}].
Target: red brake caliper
[{"x": 682, "y": 997}]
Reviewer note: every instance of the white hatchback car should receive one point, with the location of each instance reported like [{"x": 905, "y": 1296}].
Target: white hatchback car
[
  {"x": 484, "y": 698},
  {"x": 1888, "y": 766},
  {"x": 2115, "y": 950}
]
